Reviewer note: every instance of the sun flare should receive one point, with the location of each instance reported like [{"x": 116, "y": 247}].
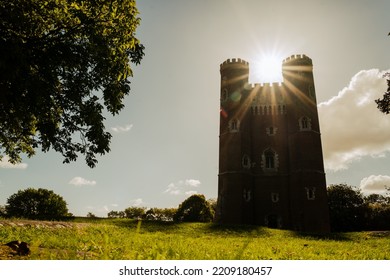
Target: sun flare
[{"x": 267, "y": 69}]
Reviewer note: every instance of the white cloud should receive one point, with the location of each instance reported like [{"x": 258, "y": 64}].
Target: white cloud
[
  {"x": 189, "y": 193},
  {"x": 375, "y": 183},
  {"x": 182, "y": 187},
  {"x": 4, "y": 163},
  {"x": 172, "y": 189},
  {"x": 79, "y": 181},
  {"x": 119, "y": 129},
  {"x": 137, "y": 202},
  {"x": 351, "y": 125},
  {"x": 192, "y": 182}
]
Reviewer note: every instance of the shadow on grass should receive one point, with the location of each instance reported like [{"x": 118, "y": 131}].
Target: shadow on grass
[
  {"x": 238, "y": 229},
  {"x": 215, "y": 228},
  {"x": 335, "y": 236},
  {"x": 190, "y": 228}
]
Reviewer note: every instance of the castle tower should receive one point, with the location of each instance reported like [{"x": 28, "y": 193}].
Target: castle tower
[{"x": 271, "y": 169}]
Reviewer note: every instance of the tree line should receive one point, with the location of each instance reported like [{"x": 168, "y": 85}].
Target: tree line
[{"x": 349, "y": 208}]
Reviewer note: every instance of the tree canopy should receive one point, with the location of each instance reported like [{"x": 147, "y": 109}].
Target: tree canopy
[
  {"x": 194, "y": 209},
  {"x": 384, "y": 103},
  {"x": 39, "y": 203},
  {"x": 350, "y": 210},
  {"x": 62, "y": 64}
]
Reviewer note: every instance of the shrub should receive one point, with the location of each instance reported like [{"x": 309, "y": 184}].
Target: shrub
[
  {"x": 194, "y": 209},
  {"x": 39, "y": 203},
  {"x": 135, "y": 212}
]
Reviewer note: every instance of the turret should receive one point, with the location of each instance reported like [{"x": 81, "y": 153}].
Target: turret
[
  {"x": 233, "y": 141},
  {"x": 297, "y": 73},
  {"x": 234, "y": 78}
]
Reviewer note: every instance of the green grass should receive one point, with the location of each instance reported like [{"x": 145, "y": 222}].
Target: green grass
[{"x": 126, "y": 239}]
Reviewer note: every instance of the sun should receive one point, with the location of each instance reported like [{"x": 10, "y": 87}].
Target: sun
[{"x": 267, "y": 68}]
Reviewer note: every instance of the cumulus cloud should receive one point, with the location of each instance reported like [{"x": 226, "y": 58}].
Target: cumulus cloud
[
  {"x": 375, "y": 183},
  {"x": 79, "y": 181},
  {"x": 351, "y": 125},
  {"x": 182, "y": 186},
  {"x": 137, "y": 202},
  {"x": 189, "y": 193},
  {"x": 119, "y": 129},
  {"x": 4, "y": 163}
]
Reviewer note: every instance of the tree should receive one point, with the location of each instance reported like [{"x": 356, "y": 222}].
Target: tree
[
  {"x": 116, "y": 214},
  {"x": 3, "y": 212},
  {"x": 39, "y": 203},
  {"x": 384, "y": 103},
  {"x": 377, "y": 211},
  {"x": 135, "y": 212},
  {"x": 63, "y": 63},
  {"x": 158, "y": 214},
  {"x": 194, "y": 209},
  {"x": 91, "y": 215},
  {"x": 346, "y": 208}
]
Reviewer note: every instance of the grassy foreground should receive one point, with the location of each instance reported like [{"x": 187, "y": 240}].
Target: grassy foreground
[{"x": 126, "y": 239}]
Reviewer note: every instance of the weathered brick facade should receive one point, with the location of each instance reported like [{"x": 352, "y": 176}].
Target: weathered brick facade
[{"x": 271, "y": 169}]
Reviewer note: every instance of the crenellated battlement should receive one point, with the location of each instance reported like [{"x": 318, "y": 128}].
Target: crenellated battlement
[
  {"x": 265, "y": 85},
  {"x": 296, "y": 57},
  {"x": 234, "y": 61}
]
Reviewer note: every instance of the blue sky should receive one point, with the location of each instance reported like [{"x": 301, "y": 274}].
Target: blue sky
[{"x": 165, "y": 141}]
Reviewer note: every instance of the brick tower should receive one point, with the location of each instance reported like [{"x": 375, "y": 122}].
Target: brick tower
[{"x": 271, "y": 168}]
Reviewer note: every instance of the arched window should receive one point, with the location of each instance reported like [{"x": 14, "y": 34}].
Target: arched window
[
  {"x": 234, "y": 125},
  {"x": 271, "y": 131},
  {"x": 311, "y": 193},
  {"x": 304, "y": 123},
  {"x": 274, "y": 197},
  {"x": 270, "y": 161},
  {"x": 224, "y": 95},
  {"x": 246, "y": 161}
]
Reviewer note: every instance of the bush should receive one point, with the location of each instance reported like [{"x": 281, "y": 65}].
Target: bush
[
  {"x": 37, "y": 204},
  {"x": 346, "y": 208},
  {"x": 194, "y": 209},
  {"x": 158, "y": 214},
  {"x": 116, "y": 214},
  {"x": 3, "y": 212},
  {"x": 135, "y": 212},
  {"x": 351, "y": 211}
]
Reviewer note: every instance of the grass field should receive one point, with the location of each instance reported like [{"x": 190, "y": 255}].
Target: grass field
[{"x": 126, "y": 239}]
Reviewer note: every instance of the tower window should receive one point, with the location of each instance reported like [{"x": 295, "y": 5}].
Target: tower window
[
  {"x": 234, "y": 125},
  {"x": 246, "y": 161},
  {"x": 225, "y": 95},
  {"x": 304, "y": 123},
  {"x": 270, "y": 161},
  {"x": 312, "y": 92},
  {"x": 274, "y": 197},
  {"x": 247, "y": 195},
  {"x": 311, "y": 193},
  {"x": 271, "y": 130}
]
